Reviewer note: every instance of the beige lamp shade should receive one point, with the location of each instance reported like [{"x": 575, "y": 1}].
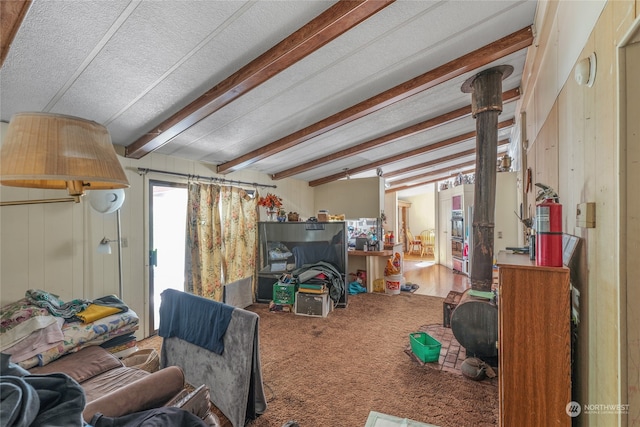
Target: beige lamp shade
[{"x": 55, "y": 151}]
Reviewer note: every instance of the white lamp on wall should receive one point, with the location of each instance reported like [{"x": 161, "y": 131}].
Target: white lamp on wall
[
  {"x": 104, "y": 247},
  {"x": 106, "y": 202},
  {"x": 585, "y": 71}
]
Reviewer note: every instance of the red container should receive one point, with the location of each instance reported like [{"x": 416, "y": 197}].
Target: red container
[{"x": 549, "y": 233}]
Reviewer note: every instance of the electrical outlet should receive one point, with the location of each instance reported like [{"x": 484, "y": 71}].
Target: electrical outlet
[
  {"x": 124, "y": 242},
  {"x": 499, "y": 234}
]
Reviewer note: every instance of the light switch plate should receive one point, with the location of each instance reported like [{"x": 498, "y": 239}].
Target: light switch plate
[{"x": 586, "y": 215}]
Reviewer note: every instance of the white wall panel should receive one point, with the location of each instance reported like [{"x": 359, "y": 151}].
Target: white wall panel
[{"x": 356, "y": 198}]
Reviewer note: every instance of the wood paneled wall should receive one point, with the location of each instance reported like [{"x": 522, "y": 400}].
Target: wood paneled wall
[
  {"x": 53, "y": 246},
  {"x": 575, "y": 148},
  {"x": 630, "y": 222}
]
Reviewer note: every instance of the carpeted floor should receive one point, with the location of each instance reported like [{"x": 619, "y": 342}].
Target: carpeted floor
[{"x": 333, "y": 371}]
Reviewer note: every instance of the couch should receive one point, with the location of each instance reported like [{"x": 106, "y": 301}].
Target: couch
[{"x": 115, "y": 390}]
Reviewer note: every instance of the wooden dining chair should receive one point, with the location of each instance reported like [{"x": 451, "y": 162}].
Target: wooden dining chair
[
  {"x": 413, "y": 245},
  {"x": 427, "y": 242}
]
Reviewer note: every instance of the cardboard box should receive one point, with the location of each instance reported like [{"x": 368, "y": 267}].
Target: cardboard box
[{"x": 315, "y": 305}]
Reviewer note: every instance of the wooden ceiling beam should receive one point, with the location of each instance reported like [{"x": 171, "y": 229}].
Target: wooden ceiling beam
[
  {"x": 408, "y": 187},
  {"x": 333, "y": 22},
  {"x": 420, "y": 184},
  {"x": 447, "y": 158},
  {"x": 439, "y": 161},
  {"x": 433, "y": 173},
  {"x": 402, "y": 156},
  {"x": 395, "y": 158},
  {"x": 464, "y": 64},
  {"x": 461, "y": 168},
  {"x": 508, "y": 96},
  {"x": 11, "y": 15}
]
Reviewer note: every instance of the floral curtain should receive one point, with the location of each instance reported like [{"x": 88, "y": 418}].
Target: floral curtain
[
  {"x": 221, "y": 238},
  {"x": 204, "y": 272},
  {"x": 240, "y": 222}
]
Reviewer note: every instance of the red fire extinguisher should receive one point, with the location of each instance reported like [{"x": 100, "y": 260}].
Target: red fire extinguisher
[{"x": 548, "y": 228}]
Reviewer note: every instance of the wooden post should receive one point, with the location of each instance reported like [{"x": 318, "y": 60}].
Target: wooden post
[{"x": 486, "y": 103}]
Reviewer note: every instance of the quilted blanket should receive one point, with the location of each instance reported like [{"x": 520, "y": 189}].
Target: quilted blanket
[{"x": 37, "y": 337}]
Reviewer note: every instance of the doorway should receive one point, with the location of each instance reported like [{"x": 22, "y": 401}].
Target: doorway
[
  {"x": 629, "y": 154},
  {"x": 444, "y": 238},
  {"x": 403, "y": 224},
  {"x": 167, "y": 235}
]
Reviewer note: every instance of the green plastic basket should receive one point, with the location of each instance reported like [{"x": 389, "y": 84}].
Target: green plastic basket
[
  {"x": 424, "y": 346},
  {"x": 284, "y": 293}
]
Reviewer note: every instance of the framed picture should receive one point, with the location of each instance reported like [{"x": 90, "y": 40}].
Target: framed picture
[{"x": 569, "y": 245}]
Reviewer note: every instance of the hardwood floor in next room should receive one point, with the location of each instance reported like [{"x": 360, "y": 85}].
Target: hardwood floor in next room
[{"x": 433, "y": 279}]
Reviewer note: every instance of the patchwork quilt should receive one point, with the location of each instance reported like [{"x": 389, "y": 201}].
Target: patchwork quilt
[{"x": 34, "y": 336}]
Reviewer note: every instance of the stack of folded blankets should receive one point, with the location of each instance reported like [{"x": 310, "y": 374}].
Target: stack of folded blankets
[
  {"x": 321, "y": 273},
  {"x": 311, "y": 288},
  {"x": 41, "y": 327}
]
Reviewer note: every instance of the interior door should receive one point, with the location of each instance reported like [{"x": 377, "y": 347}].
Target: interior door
[
  {"x": 168, "y": 216},
  {"x": 403, "y": 215},
  {"x": 404, "y": 223},
  {"x": 444, "y": 232}
]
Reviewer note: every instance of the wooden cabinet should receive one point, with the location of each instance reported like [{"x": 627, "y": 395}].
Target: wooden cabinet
[{"x": 534, "y": 343}]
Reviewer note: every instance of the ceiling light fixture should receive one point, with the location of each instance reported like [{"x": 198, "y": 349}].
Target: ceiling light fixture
[
  {"x": 585, "y": 71},
  {"x": 54, "y": 151}
]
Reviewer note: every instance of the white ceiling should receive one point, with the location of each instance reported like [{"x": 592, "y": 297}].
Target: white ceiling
[{"x": 131, "y": 65}]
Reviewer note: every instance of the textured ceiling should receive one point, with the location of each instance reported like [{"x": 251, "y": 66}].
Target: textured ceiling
[{"x": 133, "y": 65}]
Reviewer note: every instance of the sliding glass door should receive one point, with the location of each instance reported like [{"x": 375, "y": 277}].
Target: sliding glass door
[{"x": 168, "y": 212}]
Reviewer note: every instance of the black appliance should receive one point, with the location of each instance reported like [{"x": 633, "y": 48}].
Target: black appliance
[
  {"x": 457, "y": 225},
  {"x": 456, "y": 248}
]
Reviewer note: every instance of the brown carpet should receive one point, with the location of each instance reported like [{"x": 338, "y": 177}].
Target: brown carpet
[{"x": 332, "y": 371}]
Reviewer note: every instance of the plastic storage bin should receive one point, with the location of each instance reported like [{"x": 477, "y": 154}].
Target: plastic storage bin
[
  {"x": 424, "y": 346},
  {"x": 284, "y": 293}
]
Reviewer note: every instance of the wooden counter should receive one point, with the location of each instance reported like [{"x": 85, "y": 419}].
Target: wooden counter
[
  {"x": 374, "y": 263},
  {"x": 371, "y": 253}
]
